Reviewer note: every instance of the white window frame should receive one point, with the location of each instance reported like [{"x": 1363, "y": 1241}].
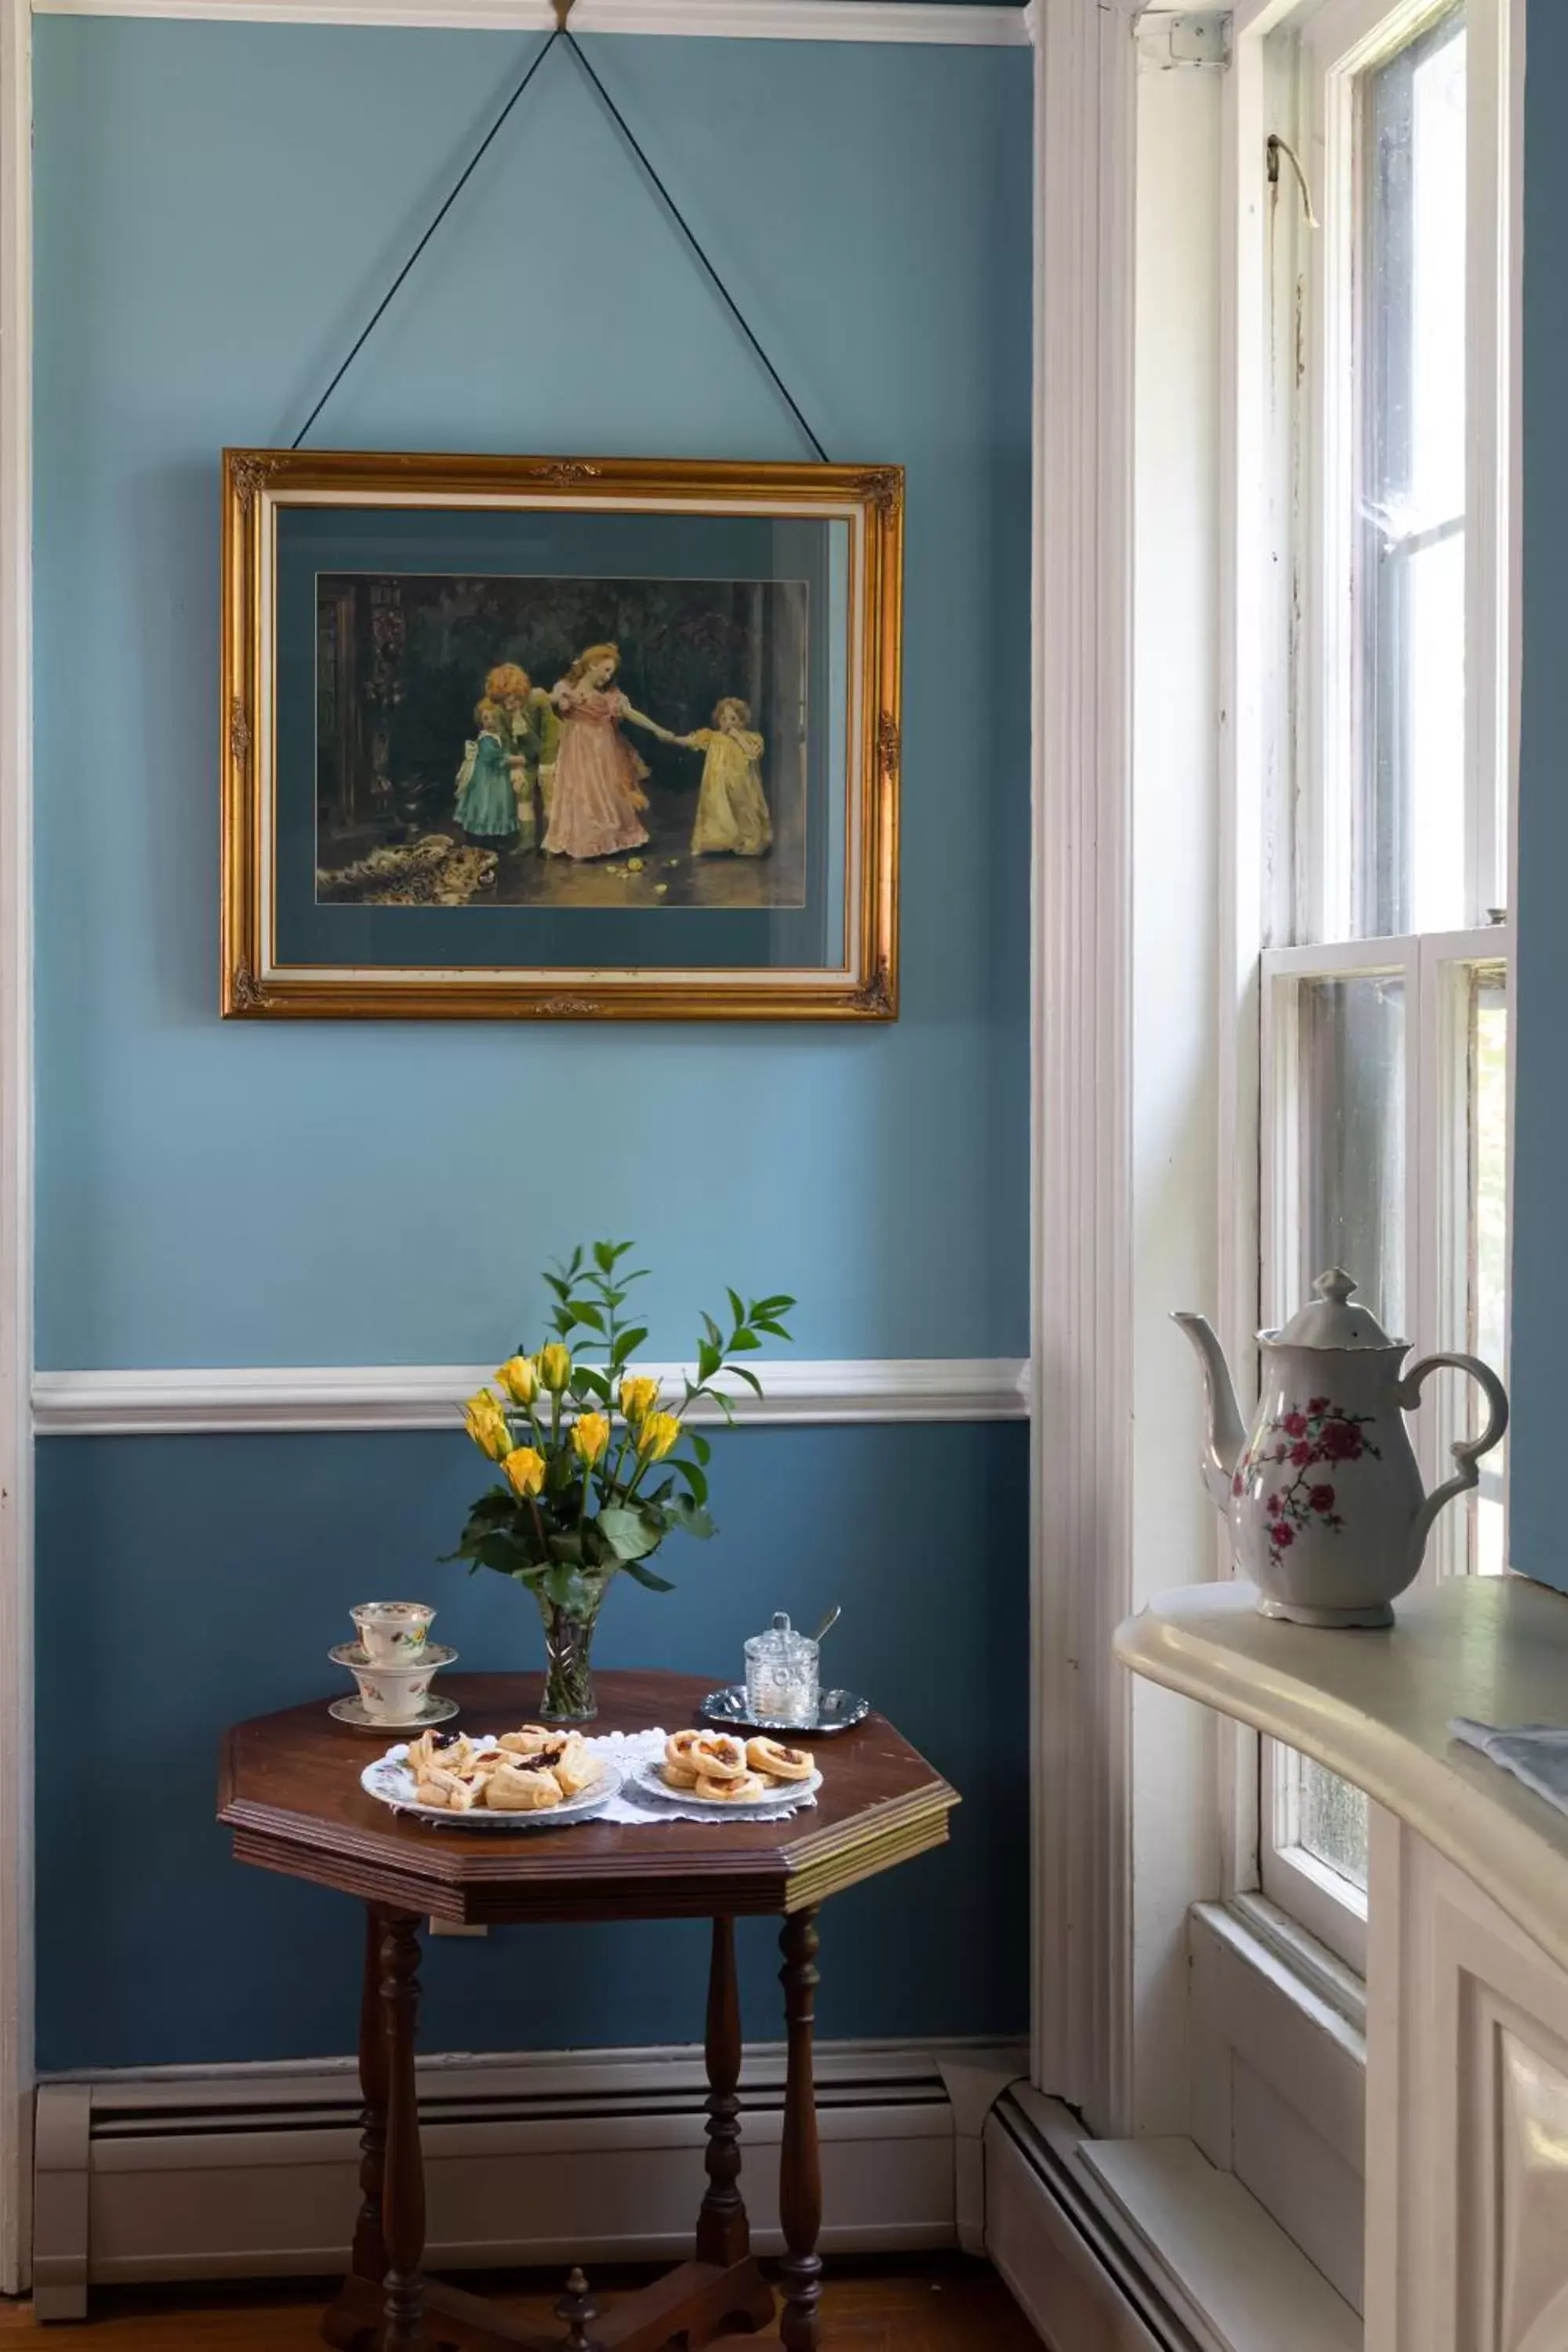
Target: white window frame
[{"x": 1288, "y": 734}]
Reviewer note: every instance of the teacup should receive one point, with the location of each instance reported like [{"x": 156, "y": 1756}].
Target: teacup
[
  {"x": 393, "y": 1694},
  {"x": 392, "y": 1633}
]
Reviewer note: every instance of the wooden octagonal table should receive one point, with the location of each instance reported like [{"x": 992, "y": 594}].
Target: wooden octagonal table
[{"x": 289, "y": 1790}]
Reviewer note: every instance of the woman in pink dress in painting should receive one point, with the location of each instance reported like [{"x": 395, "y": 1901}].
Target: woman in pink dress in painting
[{"x": 598, "y": 777}]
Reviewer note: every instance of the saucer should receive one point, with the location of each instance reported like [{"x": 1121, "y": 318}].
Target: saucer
[
  {"x": 352, "y": 1711},
  {"x": 353, "y": 1655},
  {"x": 836, "y": 1710}
]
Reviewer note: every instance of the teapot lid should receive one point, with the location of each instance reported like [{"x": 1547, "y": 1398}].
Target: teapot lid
[{"x": 1330, "y": 1320}]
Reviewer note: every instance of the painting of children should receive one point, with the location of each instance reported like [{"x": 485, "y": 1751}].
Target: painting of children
[{"x": 569, "y": 708}]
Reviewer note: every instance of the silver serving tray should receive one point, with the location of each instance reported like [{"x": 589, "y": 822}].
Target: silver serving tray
[{"x": 836, "y": 1710}]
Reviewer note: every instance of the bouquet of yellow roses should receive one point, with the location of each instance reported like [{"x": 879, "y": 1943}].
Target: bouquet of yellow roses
[{"x": 590, "y": 1482}]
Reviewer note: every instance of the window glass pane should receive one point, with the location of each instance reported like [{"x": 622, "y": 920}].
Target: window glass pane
[
  {"x": 1488, "y": 1333},
  {"x": 1351, "y": 1067},
  {"x": 1330, "y": 1821},
  {"x": 1410, "y": 498}
]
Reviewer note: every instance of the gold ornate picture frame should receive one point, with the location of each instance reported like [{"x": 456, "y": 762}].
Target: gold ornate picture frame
[{"x": 563, "y": 738}]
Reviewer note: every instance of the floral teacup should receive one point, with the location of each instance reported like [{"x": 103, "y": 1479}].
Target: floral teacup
[
  {"x": 392, "y": 1633},
  {"x": 393, "y": 1694}
]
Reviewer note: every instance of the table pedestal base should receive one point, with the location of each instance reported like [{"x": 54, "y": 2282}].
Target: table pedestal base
[
  {"x": 387, "y": 2304},
  {"x": 697, "y": 2303}
]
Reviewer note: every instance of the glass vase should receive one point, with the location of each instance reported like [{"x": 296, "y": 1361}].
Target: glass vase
[{"x": 569, "y": 1694}]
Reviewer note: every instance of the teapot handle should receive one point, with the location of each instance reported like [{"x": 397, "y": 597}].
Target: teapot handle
[{"x": 1467, "y": 1450}]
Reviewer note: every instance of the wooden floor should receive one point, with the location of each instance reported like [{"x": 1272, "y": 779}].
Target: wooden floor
[{"x": 939, "y": 2303}]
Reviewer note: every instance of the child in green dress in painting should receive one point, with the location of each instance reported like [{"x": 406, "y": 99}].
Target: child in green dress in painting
[
  {"x": 531, "y": 738},
  {"x": 732, "y": 807},
  {"x": 486, "y": 806}
]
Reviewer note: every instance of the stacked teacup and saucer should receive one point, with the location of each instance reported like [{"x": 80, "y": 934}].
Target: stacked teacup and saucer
[{"x": 393, "y": 1662}]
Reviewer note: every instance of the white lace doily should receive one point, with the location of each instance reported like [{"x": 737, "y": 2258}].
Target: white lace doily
[{"x": 628, "y": 1750}]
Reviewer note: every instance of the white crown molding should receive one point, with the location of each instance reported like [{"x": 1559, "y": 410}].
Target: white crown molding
[
  {"x": 324, "y": 1399},
  {"x": 763, "y": 20},
  {"x": 16, "y": 1144}
]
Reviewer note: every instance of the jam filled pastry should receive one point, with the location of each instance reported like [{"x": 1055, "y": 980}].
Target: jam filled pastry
[
  {"x": 779, "y": 1763},
  {"x": 719, "y": 1756},
  {"x": 575, "y": 1767},
  {"x": 514, "y": 1790},
  {"x": 679, "y": 1767},
  {"x": 744, "y": 1788}
]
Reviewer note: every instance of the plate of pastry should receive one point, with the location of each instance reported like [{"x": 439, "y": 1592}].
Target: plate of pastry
[
  {"x": 714, "y": 1769},
  {"x": 532, "y": 1779}
]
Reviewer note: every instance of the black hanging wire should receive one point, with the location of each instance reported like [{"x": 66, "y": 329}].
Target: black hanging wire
[
  {"x": 564, "y": 33},
  {"x": 682, "y": 223}
]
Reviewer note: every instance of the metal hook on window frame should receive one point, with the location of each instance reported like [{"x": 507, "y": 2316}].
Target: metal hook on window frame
[{"x": 1278, "y": 147}]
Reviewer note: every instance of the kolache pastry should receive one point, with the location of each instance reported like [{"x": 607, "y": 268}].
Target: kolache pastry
[
  {"x": 526, "y": 1772},
  {"x": 718, "y": 1766}
]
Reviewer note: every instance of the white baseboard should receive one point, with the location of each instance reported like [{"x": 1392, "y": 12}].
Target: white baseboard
[
  {"x": 1144, "y": 2245},
  {"x": 769, "y": 20},
  {"x": 257, "y": 1398},
  {"x": 252, "y": 2171}
]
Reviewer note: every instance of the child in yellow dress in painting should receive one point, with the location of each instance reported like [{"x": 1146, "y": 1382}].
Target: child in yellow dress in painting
[{"x": 731, "y": 808}]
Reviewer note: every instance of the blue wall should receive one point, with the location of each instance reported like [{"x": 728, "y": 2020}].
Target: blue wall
[
  {"x": 1540, "y": 1259},
  {"x": 156, "y": 1947},
  {"x": 218, "y": 208}
]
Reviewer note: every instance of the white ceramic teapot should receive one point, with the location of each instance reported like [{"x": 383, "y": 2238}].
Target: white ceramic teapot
[{"x": 1324, "y": 1500}]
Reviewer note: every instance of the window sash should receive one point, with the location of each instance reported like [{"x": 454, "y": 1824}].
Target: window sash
[{"x": 1340, "y": 43}]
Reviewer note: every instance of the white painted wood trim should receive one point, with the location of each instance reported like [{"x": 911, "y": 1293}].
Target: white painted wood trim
[
  {"x": 16, "y": 1145},
  {"x": 917, "y": 21},
  {"x": 323, "y": 1398},
  {"x": 1081, "y": 1176},
  {"x": 275, "y": 2150}
]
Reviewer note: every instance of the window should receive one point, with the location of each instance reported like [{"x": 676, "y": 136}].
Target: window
[{"x": 1383, "y": 1106}]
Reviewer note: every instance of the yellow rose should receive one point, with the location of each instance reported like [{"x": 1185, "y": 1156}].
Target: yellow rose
[
  {"x": 555, "y": 1366},
  {"x": 590, "y": 1436},
  {"x": 520, "y": 1378},
  {"x": 486, "y": 1425},
  {"x": 657, "y": 1434},
  {"x": 524, "y": 1471},
  {"x": 639, "y": 1394}
]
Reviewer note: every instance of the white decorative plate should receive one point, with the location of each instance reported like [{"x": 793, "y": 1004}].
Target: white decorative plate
[
  {"x": 650, "y": 1779},
  {"x": 432, "y": 1711},
  {"x": 390, "y": 1780}
]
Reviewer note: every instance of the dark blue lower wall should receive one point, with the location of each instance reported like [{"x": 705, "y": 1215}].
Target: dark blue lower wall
[{"x": 184, "y": 1583}]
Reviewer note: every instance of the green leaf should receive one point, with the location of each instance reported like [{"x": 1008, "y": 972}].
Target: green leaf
[
  {"x": 715, "y": 1336},
  {"x": 628, "y": 1533},
  {"x": 736, "y": 1307},
  {"x": 591, "y": 1316},
  {"x": 743, "y": 1341},
  {"x": 742, "y": 1374},
  {"x": 628, "y": 1344},
  {"x": 694, "y": 1479},
  {"x": 567, "y": 1589},
  {"x": 766, "y": 1323},
  {"x": 646, "y": 1576},
  {"x": 605, "y": 1256},
  {"x": 692, "y": 1518},
  {"x": 567, "y": 1547},
  {"x": 779, "y": 1305},
  {"x": 699, "y": 1445},
  {"x": 595, "y": 1382},
  {"x": 708, "y": 1358}
]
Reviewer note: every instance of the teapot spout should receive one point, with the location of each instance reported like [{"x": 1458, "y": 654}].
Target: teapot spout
[{"x": 1227, "y": 1435}]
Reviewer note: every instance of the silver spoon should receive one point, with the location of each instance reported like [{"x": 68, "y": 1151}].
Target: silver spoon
[{"x": 829, "y": 1623}]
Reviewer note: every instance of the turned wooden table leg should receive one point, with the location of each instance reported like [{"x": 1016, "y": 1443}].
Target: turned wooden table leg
[
  {"x": 369, "y": 2258},
  {"x": 722, "y": 2235},
  {"x": 800, "y": 2168},
  {"x": 403, "y": 2184}
]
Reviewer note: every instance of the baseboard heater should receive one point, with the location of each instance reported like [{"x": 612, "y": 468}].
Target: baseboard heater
[{"x": 252, "y": 2171}]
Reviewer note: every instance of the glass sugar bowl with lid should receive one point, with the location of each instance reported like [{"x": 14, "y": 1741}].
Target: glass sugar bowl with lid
[{"x": 782, "y": 1676}]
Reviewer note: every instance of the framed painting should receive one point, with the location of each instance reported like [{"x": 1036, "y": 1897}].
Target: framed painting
[{"x": 558, "y": 739}]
